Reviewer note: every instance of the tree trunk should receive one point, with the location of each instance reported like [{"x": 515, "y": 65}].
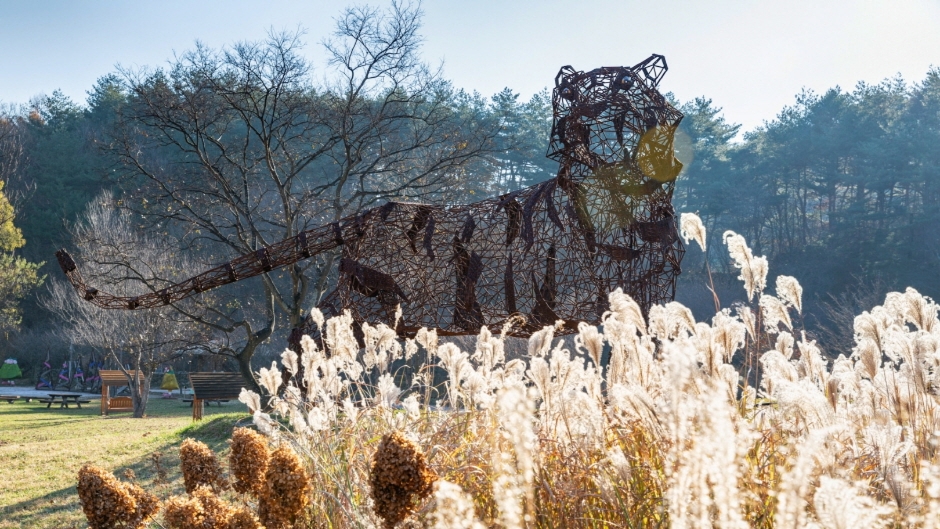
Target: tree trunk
[
  {"x": 141, "y": 394},
  {"x": 244, "y": 365}
]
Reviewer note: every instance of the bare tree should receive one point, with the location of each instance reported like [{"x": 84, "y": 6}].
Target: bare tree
[
  {"x": 234, "y": 150},
  {"x": 123, "y": 258}
]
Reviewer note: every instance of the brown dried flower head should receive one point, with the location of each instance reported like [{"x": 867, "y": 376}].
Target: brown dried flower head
[
  {"x": 182, "y": 512},
  {"x": 248, "y": 460},
  {"x": 109, "y": 503},
  {"x": 200, "y": 466},
  {"x": 400, "y": 478},
  {"x": 243, "y": 518},
  {"x": 286, "y": 489},
  {"x": 204, "y": 509}
]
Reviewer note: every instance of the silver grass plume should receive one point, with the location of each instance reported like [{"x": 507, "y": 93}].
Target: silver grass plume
[
  {"x": 317, "y": 317},
  {"x": 590, "y": 341},
  {"x": 775, "y": 312},
  {"x": 452, "y": 508},
  {"x": 692, "y": 229},
  {"x": 753, "y": 269},
  {"x": 791, "y": 292},
  {"x": 624, "y": 309},
  {"x": 794, "y": 487},
  {"x": 270, "y": 379},
  {"x": 289, "y": 361},
  {"x": 784, "y": 344},
  {"x": 914, "y": 308},
  {"x": 671, "y": 321},
  {"x": 541, "y": 341},
  {"x": 515, "y": 469},
  {"x": 340, "y": 340},
  {"x": 841, "y": 505}
]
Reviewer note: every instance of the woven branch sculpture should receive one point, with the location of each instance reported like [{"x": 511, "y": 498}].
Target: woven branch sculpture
[{"x": 549, "y": 252}]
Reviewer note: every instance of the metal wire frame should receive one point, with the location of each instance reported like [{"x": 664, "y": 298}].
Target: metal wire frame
[{"x": 542, "y": 254}]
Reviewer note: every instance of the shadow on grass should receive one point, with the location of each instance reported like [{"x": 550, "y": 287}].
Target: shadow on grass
[
  {"x": 215, "y": 428},
  {"x": 61, "y": 507}
]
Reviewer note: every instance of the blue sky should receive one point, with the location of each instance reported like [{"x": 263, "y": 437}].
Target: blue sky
[{"x": 750, "y": 57}]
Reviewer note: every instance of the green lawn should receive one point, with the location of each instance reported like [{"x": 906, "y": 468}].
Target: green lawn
[{"x": 42, "y": 449}]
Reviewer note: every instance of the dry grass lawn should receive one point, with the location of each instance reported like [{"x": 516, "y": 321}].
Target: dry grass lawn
[{"x": 42, "y": 449}]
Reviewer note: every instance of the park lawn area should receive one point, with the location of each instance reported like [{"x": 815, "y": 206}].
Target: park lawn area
[{"x": 42, "y": 449}]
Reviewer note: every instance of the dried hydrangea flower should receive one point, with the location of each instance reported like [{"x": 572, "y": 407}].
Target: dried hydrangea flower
[
  {"x": 109, "y": 503},
  {"x": 248, "y": 460},
  {"x": 182, "y": 512},
  {"x": 399, "y": 478},
  {"x": 242, "y": 518},
  {"x": 286, "y": 489},
  {"x": 204, "y": 509},
  {"x": 200, "y": 466}
]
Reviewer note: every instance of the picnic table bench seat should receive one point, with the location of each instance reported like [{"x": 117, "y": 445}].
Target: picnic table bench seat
[
  {"x": 12, "y": 398},
  {"x": 208, "y": 401}
]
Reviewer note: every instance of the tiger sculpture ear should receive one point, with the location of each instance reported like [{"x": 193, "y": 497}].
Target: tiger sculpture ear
[
  {"x": 563, "y": 84},
  {"x": 653, "y": 69}
]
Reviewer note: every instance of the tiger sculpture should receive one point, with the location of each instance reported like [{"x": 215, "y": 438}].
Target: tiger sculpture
[{"x": 548, "y": 254}]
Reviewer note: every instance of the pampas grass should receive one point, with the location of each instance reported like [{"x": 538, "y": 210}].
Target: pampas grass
[
  {"x": 646, "y": 423},
  {"x": 667, "y": 433}
]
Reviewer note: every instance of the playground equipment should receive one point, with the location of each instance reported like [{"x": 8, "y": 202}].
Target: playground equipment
[
  {"x": 44, "y": 381},
  {"x": 115, "y": 378},
  {"x": 10, "y": 370}
]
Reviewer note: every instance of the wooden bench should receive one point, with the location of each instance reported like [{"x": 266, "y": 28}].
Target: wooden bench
[{"x": 213, "y": 387}]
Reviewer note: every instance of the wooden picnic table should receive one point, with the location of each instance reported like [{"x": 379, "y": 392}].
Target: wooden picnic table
[{"x": 64, "y": 399}]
